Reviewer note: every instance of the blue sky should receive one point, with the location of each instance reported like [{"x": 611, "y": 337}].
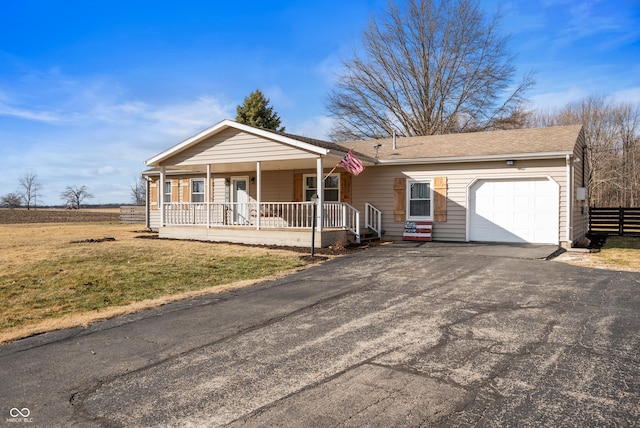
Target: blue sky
[{"x": 91, "y": 89}]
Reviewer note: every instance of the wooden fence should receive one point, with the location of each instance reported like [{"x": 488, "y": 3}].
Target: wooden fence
[
  {"x": 614, "y": 221},
  {"x": 132, "y": 214}
]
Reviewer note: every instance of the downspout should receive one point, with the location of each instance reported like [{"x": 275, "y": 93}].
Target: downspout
[{"x": 569, "y": 190}]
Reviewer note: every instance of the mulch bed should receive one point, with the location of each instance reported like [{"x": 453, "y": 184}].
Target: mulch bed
[{"x": 320, "y": 254}]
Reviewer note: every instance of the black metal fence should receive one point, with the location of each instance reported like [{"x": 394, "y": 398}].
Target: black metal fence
[{"x": 614, "y": 221}]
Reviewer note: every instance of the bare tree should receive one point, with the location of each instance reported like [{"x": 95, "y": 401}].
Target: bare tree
[
  {"x": 11, "y": 200},
  {"x": 74, "y": 196},
  {"x": 427, "y": 67},
  {"x": 612, "y": 137},
  {"x": 139, "y": 191},
  {"x": 30, "y": 186}
]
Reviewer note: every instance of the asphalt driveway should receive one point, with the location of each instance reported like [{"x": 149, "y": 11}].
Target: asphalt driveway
[{"x": 398, "y": 335}]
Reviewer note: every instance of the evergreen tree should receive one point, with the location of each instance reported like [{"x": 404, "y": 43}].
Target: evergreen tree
[{"x": 256, "y": 111}]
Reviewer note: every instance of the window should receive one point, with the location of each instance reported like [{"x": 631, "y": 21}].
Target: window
[
  {"x": 197, "y": 190},
  {"x": 331, "y": 188},
  {"x": 167, "y": 192},
  {"x": 419, "y": 197}
]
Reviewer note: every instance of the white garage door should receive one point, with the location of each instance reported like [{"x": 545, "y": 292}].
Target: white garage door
[{"x": 514, "y": 211}]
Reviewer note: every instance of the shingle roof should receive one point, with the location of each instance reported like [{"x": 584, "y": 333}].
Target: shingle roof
[
  {"x": 314, "y": 141},
  {"x": 530, "y": 141}
]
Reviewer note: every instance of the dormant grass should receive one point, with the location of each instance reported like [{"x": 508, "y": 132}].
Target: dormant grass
[
  {"x": 47, "y": 281},
  {"x": 619, "y": 252}
]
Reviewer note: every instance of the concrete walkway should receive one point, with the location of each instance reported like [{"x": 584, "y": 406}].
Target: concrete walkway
[{"x": 398, "y": 335}]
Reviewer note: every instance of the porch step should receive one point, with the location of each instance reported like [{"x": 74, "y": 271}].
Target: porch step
[{"x": 369, "y": 235}]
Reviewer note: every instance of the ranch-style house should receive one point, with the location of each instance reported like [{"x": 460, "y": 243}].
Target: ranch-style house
[{"x": 236, "y": 183}]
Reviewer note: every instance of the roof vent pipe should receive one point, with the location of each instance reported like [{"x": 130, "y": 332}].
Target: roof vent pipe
[{"x": 395, "y": 145}]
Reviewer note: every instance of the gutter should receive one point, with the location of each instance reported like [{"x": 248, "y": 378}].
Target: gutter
[{"x": 476, "y": 158}]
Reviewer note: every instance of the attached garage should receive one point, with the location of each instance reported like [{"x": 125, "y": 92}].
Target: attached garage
[
  {"x": 514, "y": 210},
  {"x": 513, "y": 186}
]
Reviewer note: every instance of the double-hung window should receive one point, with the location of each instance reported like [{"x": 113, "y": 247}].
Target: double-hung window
[
  {"x": 331, "y": 187},
  {"x": 420, "y": 200},
  {"x": 197, "y": 190}
]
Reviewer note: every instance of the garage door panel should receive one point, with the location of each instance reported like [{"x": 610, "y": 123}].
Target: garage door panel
[{"x": 514, "y": 211}]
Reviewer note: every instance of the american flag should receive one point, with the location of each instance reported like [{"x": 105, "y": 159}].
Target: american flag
[{"x": 351, "y": 164}]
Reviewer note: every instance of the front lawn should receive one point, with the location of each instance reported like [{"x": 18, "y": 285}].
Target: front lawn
[
  {"x": 49, "y": 276},
  {"x": 619, "y": 252}
]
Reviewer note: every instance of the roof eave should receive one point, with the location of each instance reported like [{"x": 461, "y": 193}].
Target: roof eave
[{"x": 477, "y": 158}]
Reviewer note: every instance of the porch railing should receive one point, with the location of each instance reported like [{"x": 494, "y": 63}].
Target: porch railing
[
  {"x": 373, "y": 219},
  {"x": 263, "y": 215},
  {"x": 342, "y": 215},
  {"x": 272, "y": 214}
]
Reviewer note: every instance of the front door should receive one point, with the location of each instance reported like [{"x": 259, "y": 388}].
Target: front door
[{"x": 240, "y": 200}]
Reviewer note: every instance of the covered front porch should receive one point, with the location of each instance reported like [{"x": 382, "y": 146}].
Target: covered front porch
[
  {"x": 236, "y": 183},
  {"x": 266, "y": 223}
]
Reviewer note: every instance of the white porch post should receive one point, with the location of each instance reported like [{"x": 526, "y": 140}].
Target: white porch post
[
  {"x": 161, "y": 195},
  {"x": 320, "y": 185},
  {"x": 207, "y": 195},
  {"x": 258, "y": 192}
]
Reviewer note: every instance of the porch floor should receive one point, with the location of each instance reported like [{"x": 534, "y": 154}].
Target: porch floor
[{"x": 246, "y": 235}]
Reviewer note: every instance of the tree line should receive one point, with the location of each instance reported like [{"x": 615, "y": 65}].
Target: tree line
[
  {"x": 73, "y": 197},
  {"x": 30, "y": 187},
  {"x": 612, "y": 137}
]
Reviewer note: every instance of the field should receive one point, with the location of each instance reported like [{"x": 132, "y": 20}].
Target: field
[
  {"x": 51, "y": 215},
  {"x": 73, "y": 272}
]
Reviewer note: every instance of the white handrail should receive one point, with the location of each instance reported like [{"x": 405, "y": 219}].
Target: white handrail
[
  {"x": 373, "y": 218},
  {"x": 344, "y": 216}
]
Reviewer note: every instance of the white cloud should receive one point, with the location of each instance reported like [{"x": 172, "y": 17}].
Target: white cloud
[
  {"x": 277, "y": 97},
  {"x": 329, "y": 68},
  {"x": 628, "y": 95},
  {"x": 22, "y": 113},
  {"x": 88, "y": 132},
  {"x": 557, "y": 100},
  {"x": 317, "y": 127}
]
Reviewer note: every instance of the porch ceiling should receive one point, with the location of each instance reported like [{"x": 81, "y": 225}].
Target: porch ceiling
[{"x": 276, "y": 165}]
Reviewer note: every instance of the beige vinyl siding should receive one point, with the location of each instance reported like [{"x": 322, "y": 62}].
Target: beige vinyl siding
[
  {"x": 232, "y": 145},
  {"x": 277, "y": 186},
  {"x": 154, "y": 219},
  {"x": 375, "y": 185},
  {"x": 219, "y": 189}
]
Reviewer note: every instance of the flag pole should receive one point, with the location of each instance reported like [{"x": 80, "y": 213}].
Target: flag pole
[
  {"x": 331, "y": 172},
  {"x": 334, "y": 168}
]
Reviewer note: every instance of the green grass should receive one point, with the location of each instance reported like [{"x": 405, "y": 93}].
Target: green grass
[
  {"x": 85, "y": 283},
  {"x": 48, "y": 277},
  {"x": 623, "y": 242}
]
